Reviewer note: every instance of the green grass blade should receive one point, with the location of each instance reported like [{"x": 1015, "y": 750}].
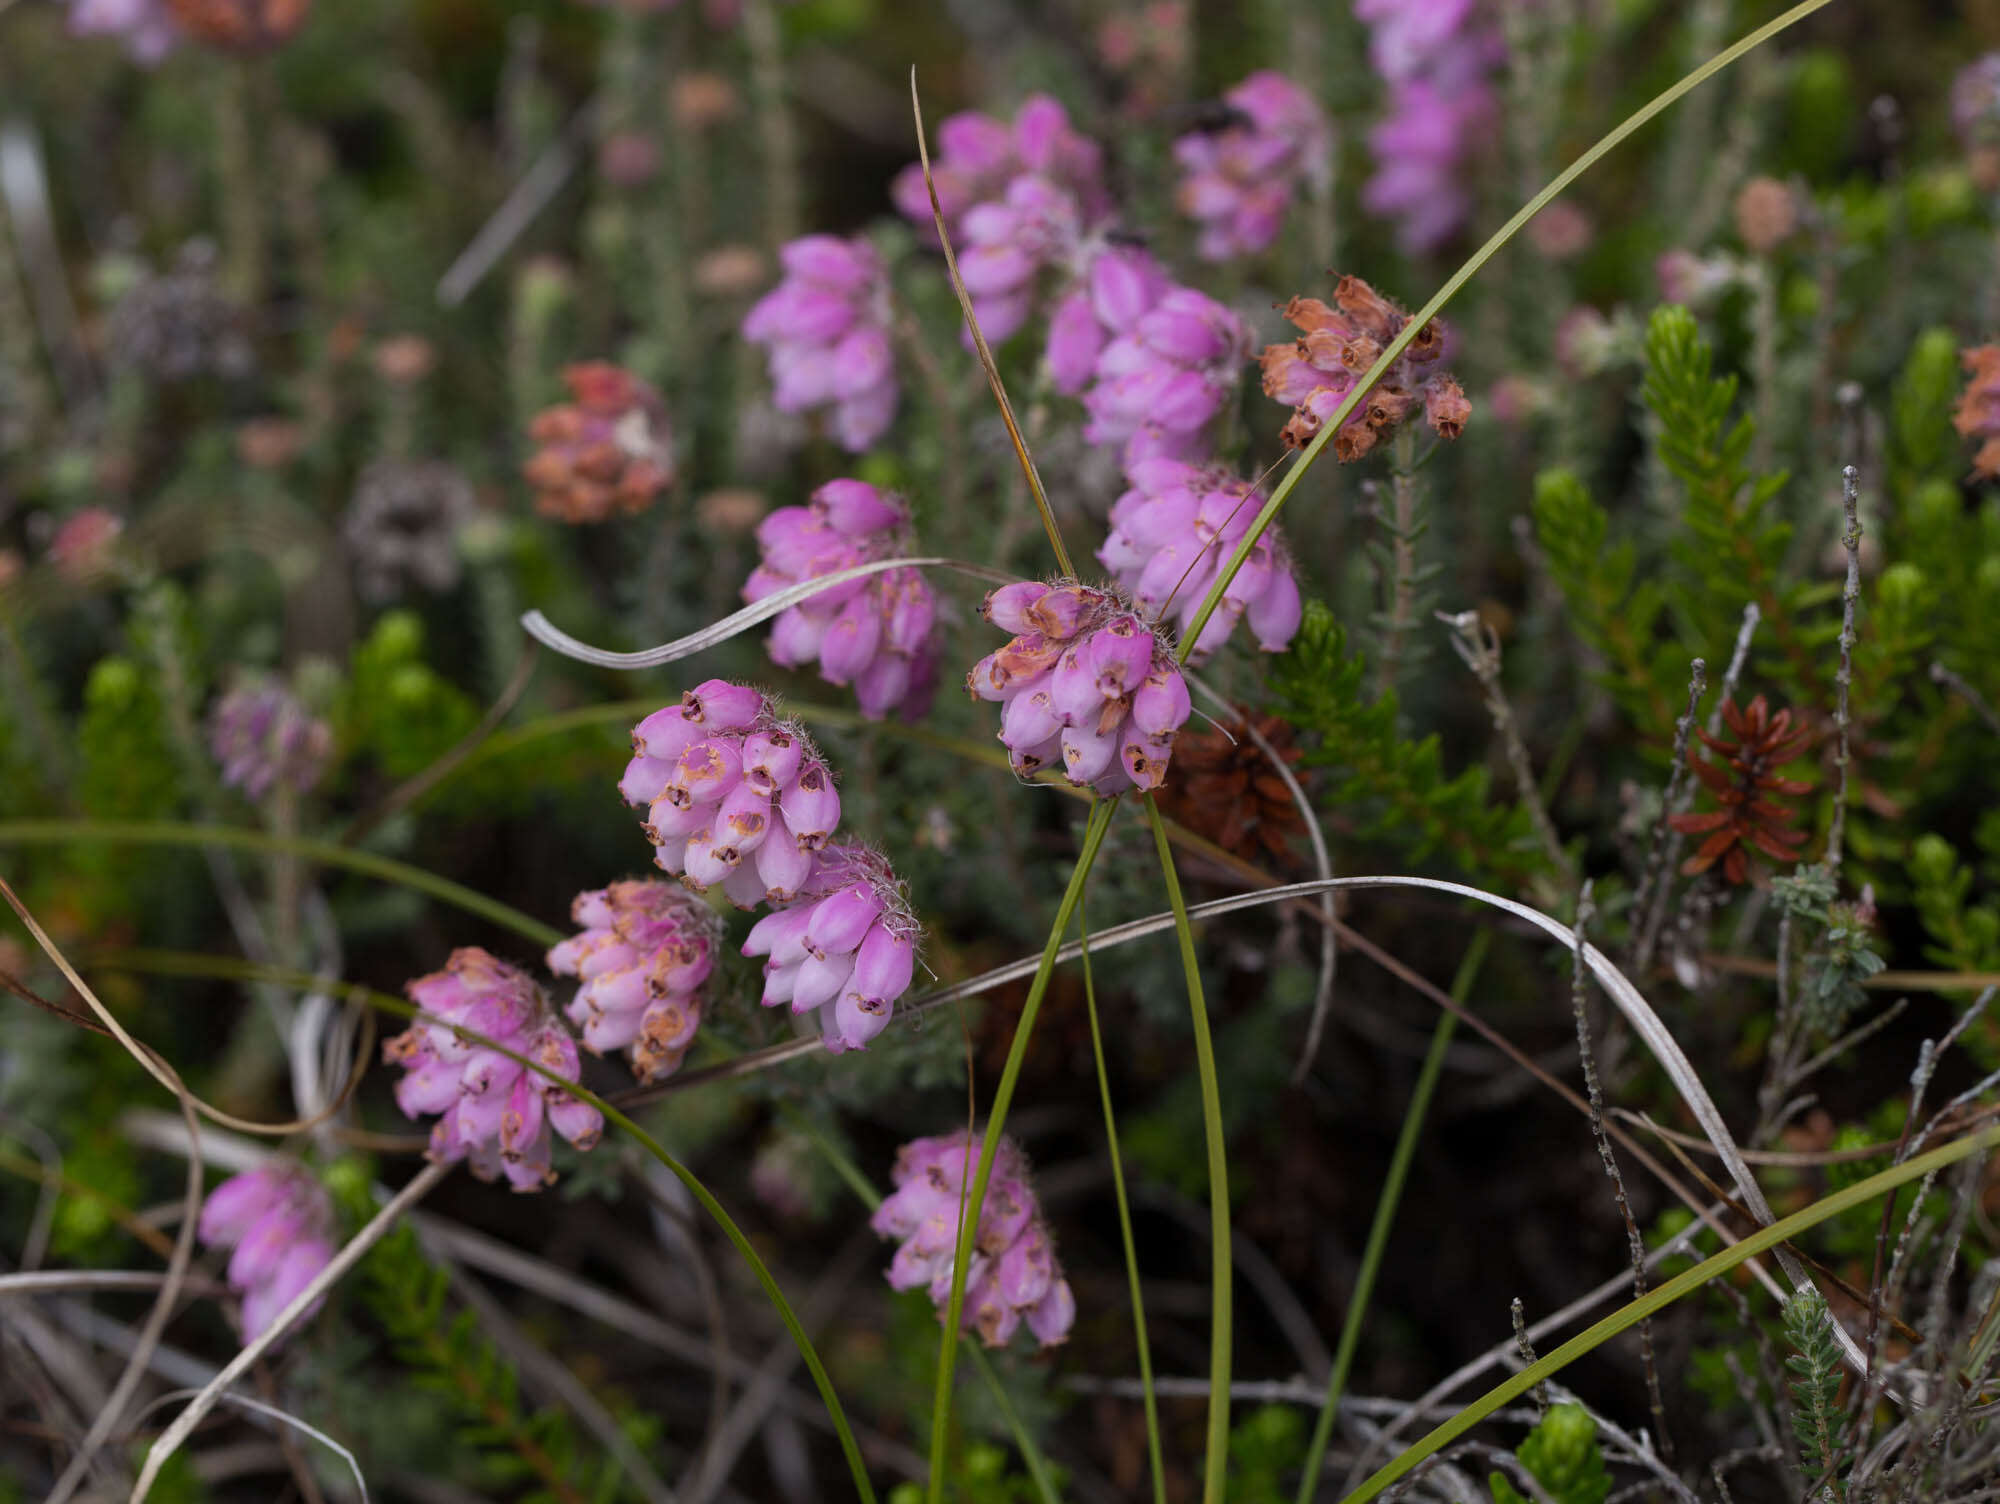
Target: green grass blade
[
  {"x": 1385, "y": 1215},
  {"x": 1153, "y": 1449},
  {"x": 1215, "y": 1472},
  {"x": 1658, "y": 1299},
  {"x": 320, "y": 853}
]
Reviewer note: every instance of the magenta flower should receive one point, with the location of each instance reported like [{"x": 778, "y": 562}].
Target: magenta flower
[
  {"x": 1013, "y": 1277},
  {"x": 826, "y": 326},
  {"x": 733, "y": 794},
  {"x": 1158, "y": 361},
  {"x": 494, "y": 1112},
  {"x": 645, "y": 951},
  {"x": 1239, "y": 179},
  {"x": 879, "y": 634},
  {"x": 1171, "y": 535},
  {"x": 1085, "y": 680},
  {"x": 147, "y": 26},
  {"x": 1019, "y": 202},
  {"x": 1975, "y": 102},
  {"x": 279, "y": 1221},
  {"x": 978, "y": 156},
  {"x": 263, "y": 737},
  {"x": 846, "y": 947},
  {"x": 1436, "y": 60}
]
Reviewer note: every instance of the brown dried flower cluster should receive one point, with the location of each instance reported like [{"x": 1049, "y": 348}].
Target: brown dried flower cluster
[
  {"x": 1978, "y": 413},
  {"x": 605, "y": 453},
  {"x": 1225, "y": 788},
  {"x": 240, "y": 25},
  {"x": 1742, "y": 783},
  {"x": 1314, "y": 374}
]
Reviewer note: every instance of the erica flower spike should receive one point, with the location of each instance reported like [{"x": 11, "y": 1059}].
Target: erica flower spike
[
  {"x": 732, "y": 794},
  {"x": 1085, "y": 682}
]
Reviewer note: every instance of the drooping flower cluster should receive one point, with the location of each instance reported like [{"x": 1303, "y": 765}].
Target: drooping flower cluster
[
  {"x": 1084, "y": 681},
  {"x": 846, "y": 947},
  {"x": 878, "y": 633},
  {"x": 1977, "y": 415},
  {"x": 826, "y": 328},
  {"x": 1019, "y": 201},
  {"x": 1241, "y": 175},
  {"x": 733, "y": 794},
  {"x": 147, "y": 26},
  {"x": 263, "y": 737},
  {"x": 494, "y": 1112},
  {"x": 646, "y": 949},
  {"x": 606, "y": 452},
  {"x": 1436, "y": 57},
  {"x": 1171, "y": 535},
  {"x": 1159, "y": 360},
  {"x": 1014, "y": 1277},
  {"x": 1743, "y": 782},
  {"x": 978, "y": 157},
  {"x": 279, "y": 1221},
  {"x": 1313, "y": 374}
]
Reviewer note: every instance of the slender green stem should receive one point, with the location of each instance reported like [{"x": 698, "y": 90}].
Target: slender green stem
[
  {"x": 1385, "y": 1215},
  {"x": 1153, "y": 1450},
  {"x": 321, "y": 853},
  {"x": 1633, "y": 1312},
  {"x": 864, "y": 1191},
  {"x": 1010, "y": 1073},
  {"x": 1458, "y": 279},
  {"x": 1215, "y": 1470}
]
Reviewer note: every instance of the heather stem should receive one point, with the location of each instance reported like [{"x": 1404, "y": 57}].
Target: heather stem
[
  {"x": 1216, "y": 1463},
  {"x": 774, "y": 121},
  {"x": 1003, "y": 1096}
]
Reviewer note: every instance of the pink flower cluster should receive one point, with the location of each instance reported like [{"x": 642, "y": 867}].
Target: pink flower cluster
[
  {"x": 733, "y": 795},
  {"x": 494, "y": 1112},
  {"x": 879, "y": 633},
  {"x": 1084, "y": 680},
  {"x": 1017, "y": 201},
  {"x": 263, "y": 737},
  {"x": 826, "y": 327},
  {"x": 1159, "y": 360},
  {"x": 1014, "y": 1277},
  {"x": 644, "y": 953},
  {"x": 146, "y": 25},
  {"x": 1171, "y": 535},
  {"x": 1435, "y": 57},
  {"x": 1240, "y": 177},
  {"x": 279, "y": 1220},
  {"x": 846, "y": 947}
]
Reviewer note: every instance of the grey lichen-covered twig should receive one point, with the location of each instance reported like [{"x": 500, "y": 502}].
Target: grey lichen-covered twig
[
  {"x": 1478, "y": 647},
  {"x": 1654, "y": 880},
  {"x": 1637, "y": 1244},
  {"x": 1843, "y": 680}
]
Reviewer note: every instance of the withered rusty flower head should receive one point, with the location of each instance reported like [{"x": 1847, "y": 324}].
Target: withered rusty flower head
[
  {"x": 608, "y": 451},
  {"x": 1742, "y": 782},
  {"x": 240, "y": 25},
  {"x": 1977, "y": 415},
  {"x": 1228, "y": 790},
  {"x": 1315, "y": 373}
]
